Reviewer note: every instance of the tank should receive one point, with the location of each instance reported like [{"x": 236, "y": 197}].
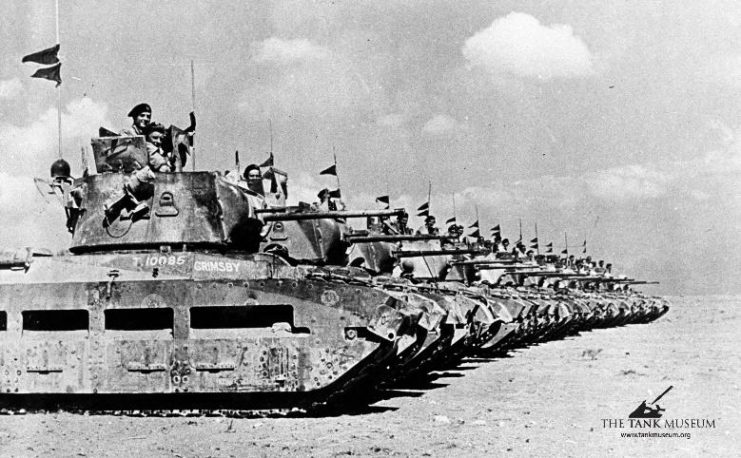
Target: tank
[
  {"x": 166, "y": 301},
  {"x": 190, "y": 291},
  {"x": 528, "y": 301}
]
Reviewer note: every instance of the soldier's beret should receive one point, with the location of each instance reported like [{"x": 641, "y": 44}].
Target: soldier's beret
[{"x": 139, "y": 109}]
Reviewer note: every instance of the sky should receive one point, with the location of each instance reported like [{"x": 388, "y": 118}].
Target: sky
[{"x": 615, "y": 121}]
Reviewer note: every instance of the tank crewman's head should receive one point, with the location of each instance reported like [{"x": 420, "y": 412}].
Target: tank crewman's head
[
  {"x": 253, "y": 176},
  {"x": 323, "y": 195},
  {"x": 252, "y": 172},
  {"x": 155, "y": 132},
  {"x": 142, "y": 116},
  {"x": 403, "y": 219}
]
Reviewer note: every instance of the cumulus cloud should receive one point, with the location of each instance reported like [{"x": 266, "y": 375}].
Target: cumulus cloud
[
  {"x": 280, "y": 51},
  {"x": 310, "y": 84},
  {"x": 30, "y": 219},
  {"x": 34, "y": 146},
  {"x": 391, "y": 120},
  {"x": 629, "y": 182},
  {"x": 725, "y": 69},
  {"x": 441, "y": 124},
  {"x": 10, "y": 88},
  {"x": 519, "y": 45}
]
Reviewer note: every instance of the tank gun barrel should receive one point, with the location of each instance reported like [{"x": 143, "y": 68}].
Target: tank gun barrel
[
  {"x": 302, "y": 216},
  {"x": 357, "y": 238},
  {"x": 493, "y": 262},
  {"x": 418, "y": 253},
  {"x": 498, "y": 266},
  {"x": 545, "y": 273}
]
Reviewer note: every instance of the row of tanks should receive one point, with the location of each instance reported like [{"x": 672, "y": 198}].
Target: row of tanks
[{"x": 190, "y": 292}]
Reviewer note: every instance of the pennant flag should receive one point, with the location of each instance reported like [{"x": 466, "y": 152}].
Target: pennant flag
[
  {"x": 496, "y": 229},
  {"x": 45, "y": 57},
  {"x": 476, "y": 225},
  {"x": 565, "y": 251},
  {"x": 383, "y": 200},
  {"x": 424, "y": 207},
  {"x": 426, "y": 212},
  {"x": 335, "y": 193},
  {"x": 584, "y": 243},
  {"x": 535, "y": 240},
  {"x": 50, "y": 73},
  {"x": 332, "y": 170},
  {"x": 236, "y": 159},
  {"x": 269, "y": 162},
  {"x": 178, "y": 142},
  {"x": 475, "y": 233},
  {"x": 450, "y": 220},
  {"x": 584, "y": 251}
]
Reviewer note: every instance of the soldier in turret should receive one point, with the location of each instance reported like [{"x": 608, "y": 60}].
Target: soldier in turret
[
  {"x": 158, "y": 160},
  {"x": 429, "y": 228},
  {"x": 142, "y": 117},
  {"x": 400, "y": 225},
  {"x": 325, "y": 202},
  {"x": 253, "y": 177}
]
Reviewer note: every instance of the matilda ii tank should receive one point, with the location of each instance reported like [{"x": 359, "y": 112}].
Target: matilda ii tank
[{"x": 164, "y": 301}]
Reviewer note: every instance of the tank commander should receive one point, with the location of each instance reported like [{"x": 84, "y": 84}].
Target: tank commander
[
  {"x": 142, "y": 117},
  {"x": 519, "y": 250},
  {"x": 400, "y": 226},
  {"x": 429, "y": 227},
  {"x": 454, "y": 233},
  {"x": 253, "y": 177},
  {"x": 158, "y": 160},
  {"x": 325, "y": 202},
  {"x": 503, "y": 246}
]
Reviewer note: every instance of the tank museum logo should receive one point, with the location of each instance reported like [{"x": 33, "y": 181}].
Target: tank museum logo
[{"x": 648, "y": 421}]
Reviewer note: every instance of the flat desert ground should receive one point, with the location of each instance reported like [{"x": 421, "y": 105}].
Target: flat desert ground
[{"x": 548, "y": 400}]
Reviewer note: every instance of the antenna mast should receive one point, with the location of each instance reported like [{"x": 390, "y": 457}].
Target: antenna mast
[
  {"x": 59, "y": 88},
  {"x": 193, "y": 107}
]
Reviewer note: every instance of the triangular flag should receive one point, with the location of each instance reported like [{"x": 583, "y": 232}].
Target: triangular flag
[
  {"x": 584, "y": 250},
  {"x": 332, "y": 170},
  {"x": 475, "y": 234},
  {"x": 383, "y": 200},
  {"x": 49, "y": 73},
  {"x": 450, "y": 220},
  {"x": 496, "y": 229},
  {"x": 269, "y": 162},
  {"x": 565, "y": 252},
  {"x": 476, "y": 225},
  {"x": 236, "y": 159},
  {"x": 425, "y": 212},
  {"x": 535, "y": 240},
  {"x": 584, "y": 243},
  {"x": 335, "y": 193},
  {"x": 45, "y": 57},
  {"x": 424, "y": 206}
]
